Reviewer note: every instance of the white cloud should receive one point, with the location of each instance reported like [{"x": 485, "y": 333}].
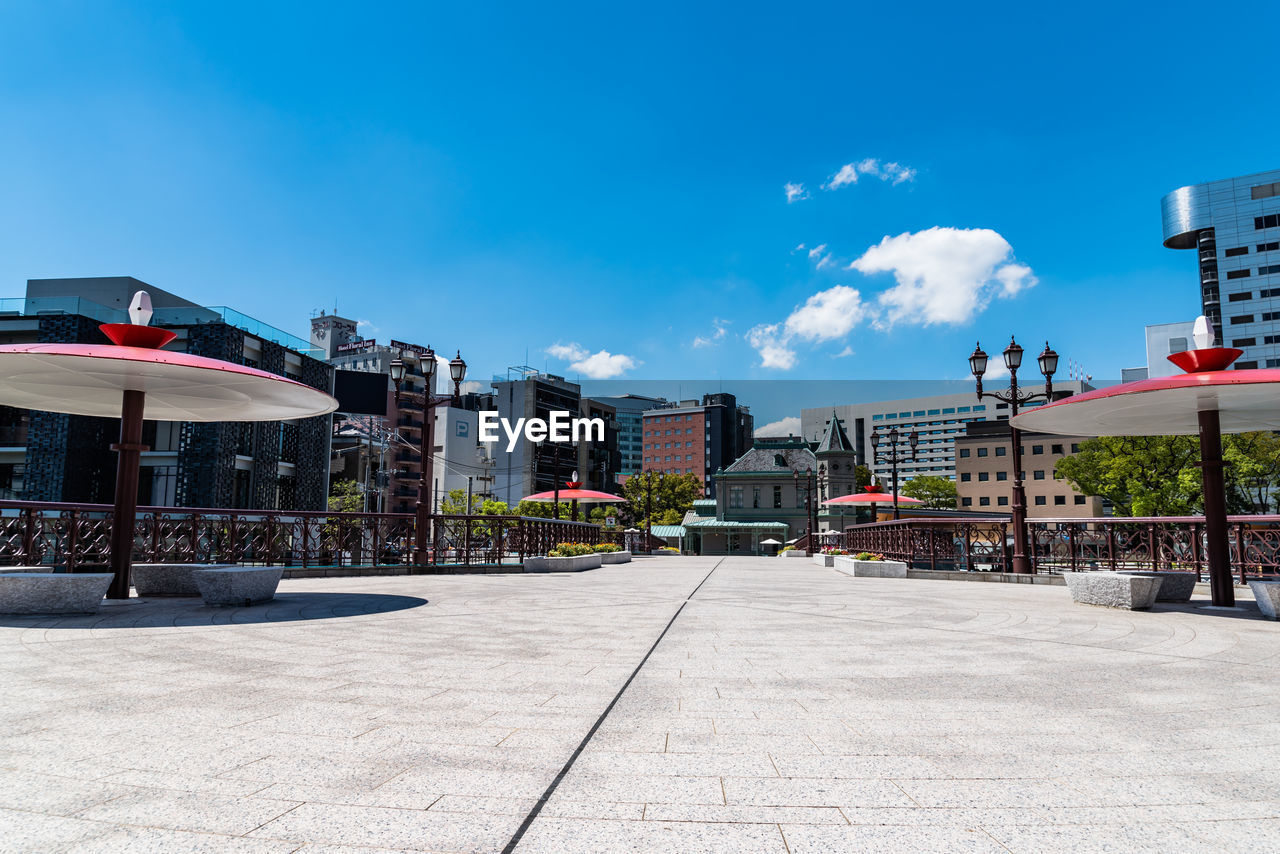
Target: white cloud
[
  {"x": 848, "y": 174},
  {"x": 816, "y": 251},
  {"x": 601, "y": 365},
  {"x": 891, "y": 171},
  {"x": 771, "y": 344},
  {"x": 795, "y": 192},
  {"x": 366, "y": 326},
  {"x": 824, "y": 262},
  {"x": 721, "y": 328},
  {"x": 826, "y": 315},
  {"x": 789, "y": 426},
  {"x": 943, "y": 275},
  {"x": 847, "y": 351}
]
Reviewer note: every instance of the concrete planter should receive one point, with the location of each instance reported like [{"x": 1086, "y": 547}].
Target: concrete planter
[
  {"x": 562, "y": 564},
  {"x": 794, "y": 553},
  {"x": 1267, "y": 595},
  {"x": 824, "y": 560},
  {"x": 1113, "y": 589},
  {"x": 870, "y": 568},
  {"x": 1174, "y": 586},
  {"x": 238, "y": 585},
  {"x": 615, "y": 557},
  {"x": 169, "y": 579},
  {"x": 52, "y": 593}
]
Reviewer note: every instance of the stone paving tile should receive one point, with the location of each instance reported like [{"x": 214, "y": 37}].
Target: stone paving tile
[
  {"x": 153, "y": 840},
  {"x": 558, "y": 835},
  {"x": 392, "y": 828},
  {"x": 822, "y": 839},
  {"x": 189, "y": 811},
  {"x": 22, "y": 831}
]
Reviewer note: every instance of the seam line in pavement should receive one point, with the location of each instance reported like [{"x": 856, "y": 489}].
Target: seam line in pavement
[{"x": 546, "y": 796}]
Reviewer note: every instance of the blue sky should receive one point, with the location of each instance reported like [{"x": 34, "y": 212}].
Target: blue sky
[{"x": 603, "y": 186}]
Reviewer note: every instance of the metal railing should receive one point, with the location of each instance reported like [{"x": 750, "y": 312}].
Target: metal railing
[
  {"x": 77, "y": 537},
  {"x": 1164, "y": 543}
]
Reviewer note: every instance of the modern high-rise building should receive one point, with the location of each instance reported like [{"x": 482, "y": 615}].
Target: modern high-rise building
[
  {"x": 697, "y": 438},
  {"x": 631, "y": 409},
  {"x": 1234, "y": 226},
  {"x": 531, "y": 467}
]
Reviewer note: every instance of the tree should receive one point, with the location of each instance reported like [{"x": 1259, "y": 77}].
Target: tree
[
  {"x": 672, "y": 495},
  {"x": 1253, "y": 471},
  {"x": 490, "y": 507},
  {"x": 937, "y": 493},
  {"x": 861, "y": 476},
  {"x": 346, "y": 496},
  {"x": 455, "y": 503},
  {"x": 542, "y": 509}
]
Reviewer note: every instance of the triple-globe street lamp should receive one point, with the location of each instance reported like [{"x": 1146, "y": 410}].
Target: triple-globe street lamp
[
  {"x": 457, "y": 373},
  {"x": 810, "y": 506},
  {"x": 1015, "y": 397},
  {"x": 892, "y": 455}
]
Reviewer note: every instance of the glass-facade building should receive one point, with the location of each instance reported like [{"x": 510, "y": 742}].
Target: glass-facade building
[{"x": 1234, "y": 227}]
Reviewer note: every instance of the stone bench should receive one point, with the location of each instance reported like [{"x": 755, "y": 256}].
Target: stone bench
[
  {"x": 52, "y": 592},
  {"x": 1267, "y": 595},
  {"x": 170, "y": 579},
  {"x": 562, "y": 564},
  {"x": 238, "y": 585},
  {"x": 615, "y": 557},
  {"x": 1113, "y": 589},
  {"x": 1174, "y": 586},
  {"x": 870, "y": 568}
]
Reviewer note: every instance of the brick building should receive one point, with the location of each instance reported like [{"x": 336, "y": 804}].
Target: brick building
[{"x": 697, "y": 438}]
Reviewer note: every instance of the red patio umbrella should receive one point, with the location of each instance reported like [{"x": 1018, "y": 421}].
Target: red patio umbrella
[
  {"x": 872, "y": 495},
  {"x": 574, "y": 493},
  {"x": 133, "y": 379},
  {"x": 1207, "y": 400}
]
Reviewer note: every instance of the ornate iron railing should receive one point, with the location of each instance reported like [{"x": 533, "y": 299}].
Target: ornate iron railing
[
  {"x": 1169, "y": 543},
  {"x": 77, "y": 536}
]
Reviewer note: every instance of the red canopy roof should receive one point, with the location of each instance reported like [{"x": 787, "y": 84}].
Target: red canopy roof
[
  {"x": 872, "y": 498},
  {"x": 582, "y": 496},
  {"x": 88, "y": 379},
  {"x": 1164, "y": 406}
]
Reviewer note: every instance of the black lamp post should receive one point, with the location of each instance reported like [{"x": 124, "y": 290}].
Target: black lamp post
[
  {"x": 1015, "y": 397},
  {"x": 809, "y": 507},
  {"x": 892, "y": 455},
  {"x": 457, "y": 372}
]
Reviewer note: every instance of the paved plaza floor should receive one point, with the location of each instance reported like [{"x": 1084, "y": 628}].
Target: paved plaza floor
[{"x": 787, "y": 708}]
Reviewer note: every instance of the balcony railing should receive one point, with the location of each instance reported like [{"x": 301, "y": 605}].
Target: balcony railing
[
  {"x": 76, "y": 537},
  {"x": 1170, "y": 543}
]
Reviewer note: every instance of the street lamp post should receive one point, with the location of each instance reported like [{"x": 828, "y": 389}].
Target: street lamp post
[
  {"x": 892, "y": 455},
  {"x": 457, "y": 372},
  {"x": 1015, "y": 397},
  {"x": 810, "y": 515}
]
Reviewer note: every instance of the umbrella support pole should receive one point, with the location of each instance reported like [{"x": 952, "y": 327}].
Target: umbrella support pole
[
  {"x": 1215, "y": 509},
  {"x": 129, "y": 455}
]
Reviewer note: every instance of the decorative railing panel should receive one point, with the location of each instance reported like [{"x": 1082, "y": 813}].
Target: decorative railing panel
[
  {"x": 77, "y": 536},
  {"x": 1071, "y": 545}
]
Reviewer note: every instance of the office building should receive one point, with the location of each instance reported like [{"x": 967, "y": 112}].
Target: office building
[
  {"x": 1163, "y": 340},
  {"x": 50, "y": 456},
  {"x": 697, "y": 438},
  {"x": 1234, "y": 227},
  {"x": 984, "y": 473},
  {"x": 532, "y": 467},
  {"x": 939, "y": 419},
  {"x": 630, "y": 409},
  {"x": 600, "y": 460}
]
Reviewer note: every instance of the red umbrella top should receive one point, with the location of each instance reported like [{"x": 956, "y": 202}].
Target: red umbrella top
[
  {"x": 872, "y": 498},
  {"x": 582, "y": 496}
]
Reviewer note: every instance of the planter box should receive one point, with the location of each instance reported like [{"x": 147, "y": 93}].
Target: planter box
[
  {"x": 824, "y": 560},
  {"x": 52, "y": 593},
  {"x": 169, "y": 579},
  {"x": 238, "y": 585},
  {"x": 1267, "y": 595},
  {"x": 1174, "y": 586},
  {"x": 794, "y": 553},
  {"x": 562, "y": 564},
  {"x": 1113, "y": 589},
  {"x": 870, "y": 568},
  {"x": 615, "y": 557}
]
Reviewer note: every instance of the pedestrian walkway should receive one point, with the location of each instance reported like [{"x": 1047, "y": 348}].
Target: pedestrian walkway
[{"x": 671, "y": 704}]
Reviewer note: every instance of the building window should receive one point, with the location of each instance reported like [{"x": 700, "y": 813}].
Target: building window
[
  {"x": 1268, "y": 221},
  {"x": 1079, "y": 499},
  {"x": 982, "y": 452},
  {"x": 1040, "y": 501},
  {"x": 1059, "y": 499},
  {"x": 983, "y": 476},
  {"x": 1245, "y": 366},
  {"x": 735, "y": 496},
  {"x": 1245, "y": 342},
  {"x": 1075, "y": 447},
  {"x": 1037, "y": 449},
  {"x": 1002, "y": 500},
  {"x": 1266, "y": 271},
  {"x": 1270, "y": 315},
  {"x": 1002, "y": 475},
  {"x": 1001, "y": 450},
  {"x": 1269, "y": 247},
  {"x": 1057, "y": 449},
  {"x": 966, "y": 502},
  {"x": 1239, "y": 250},
  {"x": 1239, "y": 274},
  {"x": 964, "y": 453},
  {"x": 1264, "y": 191},
  {"x": 777, "y": 498},
  {"x": 1240, "y": 297},
  {"x": 984, "y": 501},
  {"x": 1242, "y": 318},
  {"x": 755, "y": 497},
  {"x": 1038, "y": 474}
]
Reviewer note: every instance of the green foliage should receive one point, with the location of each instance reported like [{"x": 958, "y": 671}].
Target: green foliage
[
  {"x": 455, "y": 503},
  {"x": 1160, "y": 475},
  {"x": 672, "y": 496},
  {"x": 937, "y": 493},
  {"x": 572, "y": 550},
  {"x": 491, "y": 507},
  {"x": 542, "y": 509},
  {"x": 861, "y": 476},
  {"x": 868, "y": 556},
  {"x": 346, "y": 497},
  {"x": 608, "y": 548}
]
